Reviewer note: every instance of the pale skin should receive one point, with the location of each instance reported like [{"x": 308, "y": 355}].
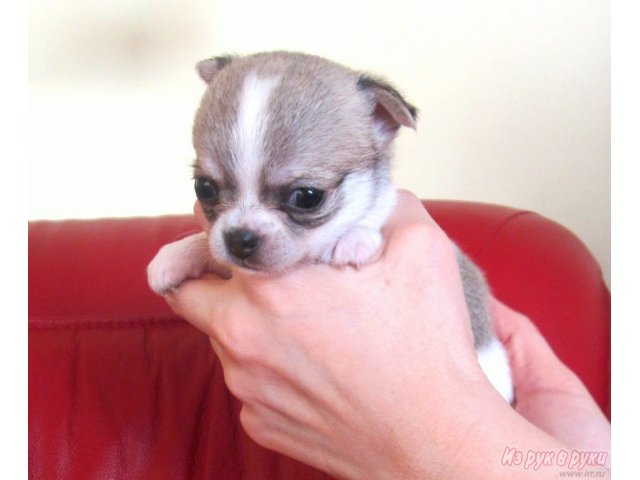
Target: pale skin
[{"x": 370, "y": 373}]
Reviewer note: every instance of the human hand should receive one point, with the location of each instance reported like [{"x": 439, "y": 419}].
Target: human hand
[
  {"x": 367, "y": 373},
  {"x": 549, "y": 395}
]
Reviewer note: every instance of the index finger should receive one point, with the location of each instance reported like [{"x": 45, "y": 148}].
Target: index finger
[
  {"x": 197, "y": 301},
  {"x": 411, "y": 227},
  {"x": 409, "y": 209}
]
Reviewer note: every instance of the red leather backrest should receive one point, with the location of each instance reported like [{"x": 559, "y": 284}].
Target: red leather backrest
[{"x": 121, "y": 388}]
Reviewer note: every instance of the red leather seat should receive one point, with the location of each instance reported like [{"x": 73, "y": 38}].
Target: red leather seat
[{"x": 120, "y": 388}]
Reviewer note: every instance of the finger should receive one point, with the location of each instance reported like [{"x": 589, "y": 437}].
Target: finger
[
  {"x": 200, "y": 216},
  {"x": 409, "y": 209},
  {"x": 411, "y": 233},
  {"x": 197, "y": 301},
  {"x": 534, "y": 365}
]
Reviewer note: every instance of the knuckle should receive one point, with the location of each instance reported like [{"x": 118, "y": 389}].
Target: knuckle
[
  {"x": 238, "y": 385},
  {"x": 267, "y": 296},
  {"x": 255, "y": 425},
  {"x": 240, "y": 340},
  {"x": 425, "y": 236}
]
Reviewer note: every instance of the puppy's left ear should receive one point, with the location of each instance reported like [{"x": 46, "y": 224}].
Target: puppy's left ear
[
  {"x": 209, "y": 68},
  {"x": 390, "y": 110}
]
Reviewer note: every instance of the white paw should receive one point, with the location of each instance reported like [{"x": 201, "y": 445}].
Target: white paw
[
  {"x": 177, "y": 262},
  {"x": 356, "y": 247}
]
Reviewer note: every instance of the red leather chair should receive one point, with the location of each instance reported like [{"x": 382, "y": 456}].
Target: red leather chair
[{"x": 120, "y": 388}]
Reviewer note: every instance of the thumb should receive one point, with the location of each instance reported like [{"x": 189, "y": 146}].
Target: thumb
[{"x": 534, "y": 365}]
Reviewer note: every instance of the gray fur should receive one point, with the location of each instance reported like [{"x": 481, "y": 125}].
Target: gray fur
[
  {"x": 476, "y": 294},
  {"x": 325, "y": 122},
  {"x": 319, "y": 132}
]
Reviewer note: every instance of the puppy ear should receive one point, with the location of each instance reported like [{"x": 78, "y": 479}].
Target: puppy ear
[
  {"x": 390, "y": 110},
  {"x": 209, "y": 68}
]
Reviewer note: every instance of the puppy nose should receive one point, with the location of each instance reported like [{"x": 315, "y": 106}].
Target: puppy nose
[{"x": 241, "y": 243}]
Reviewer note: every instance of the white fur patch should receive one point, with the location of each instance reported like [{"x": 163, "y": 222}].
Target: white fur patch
[
  {"x": 362, "y": 206},
  {"x": 495, "y": 364},
  {"x": 249, "y": 133}
]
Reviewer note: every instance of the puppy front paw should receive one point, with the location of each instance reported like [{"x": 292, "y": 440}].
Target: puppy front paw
[
  {"x": 176, "y": 262},
  {"x": 356, "y": 247}
]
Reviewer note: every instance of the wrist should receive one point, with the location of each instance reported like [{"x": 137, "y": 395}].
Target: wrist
[
  {"x": 475, "y": 441},
  {"x": 509, "y": 447},
  {"x": 489, "y": 448}
]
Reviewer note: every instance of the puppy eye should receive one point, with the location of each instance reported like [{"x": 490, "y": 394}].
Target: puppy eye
[
  {"x": 206, "y": 190},
  {"x": 305, "y": 198}
]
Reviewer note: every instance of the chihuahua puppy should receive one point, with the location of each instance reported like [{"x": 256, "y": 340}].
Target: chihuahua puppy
[{"x": 293, "y": 157}]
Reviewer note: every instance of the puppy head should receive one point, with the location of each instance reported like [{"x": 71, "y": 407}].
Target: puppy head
[{"x": 291, "y": 151}]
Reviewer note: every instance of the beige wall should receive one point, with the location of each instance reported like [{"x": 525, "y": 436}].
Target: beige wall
[{"x": 514, "y": 97}]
